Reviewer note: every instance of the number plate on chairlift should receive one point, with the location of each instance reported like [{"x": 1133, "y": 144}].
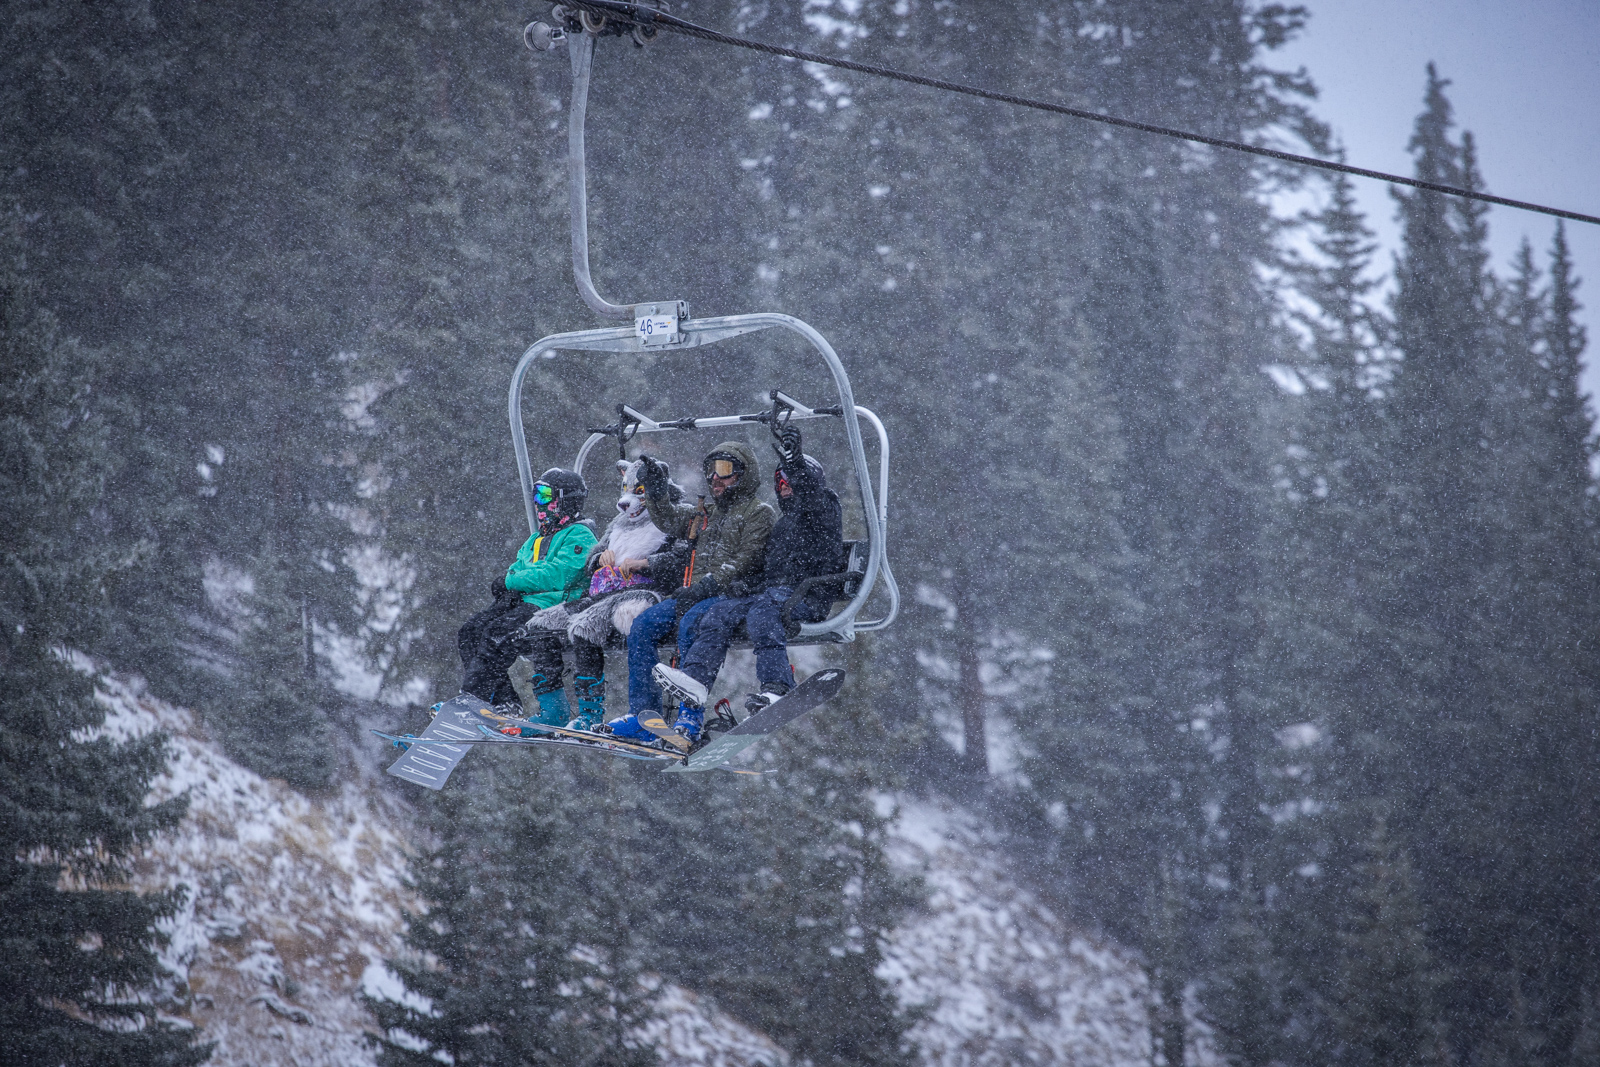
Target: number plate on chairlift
[{"x": 659, "y": 324}]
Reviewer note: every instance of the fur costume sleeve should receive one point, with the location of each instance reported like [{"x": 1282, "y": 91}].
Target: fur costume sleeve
[{"x": 672, "y": 519}]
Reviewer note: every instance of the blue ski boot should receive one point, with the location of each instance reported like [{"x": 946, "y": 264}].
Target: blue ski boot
[
  {"x": 551, "y": 701},
  {"x": 591, "y": 693},
  {"x": 626, "y": 728},
  {"x": 691, "y": 721}
]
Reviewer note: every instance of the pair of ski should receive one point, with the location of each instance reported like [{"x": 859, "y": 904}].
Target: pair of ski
[{"x": 466, "y": 721}]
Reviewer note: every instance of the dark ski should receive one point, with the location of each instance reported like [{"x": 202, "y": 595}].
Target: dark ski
[
  {"x": 586, "y": 736},
  {"x": 588, "y": 744}
]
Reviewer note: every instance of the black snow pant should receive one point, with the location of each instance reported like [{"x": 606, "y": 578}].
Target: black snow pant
[
  {"x": 488, "y": 648},
  {"x": 543, "y": 649}
]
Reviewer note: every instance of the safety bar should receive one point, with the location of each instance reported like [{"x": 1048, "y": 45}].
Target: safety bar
[
  {"x": 638, "y": 423},
  {"x": 698, "y": 332},
  {"x": 649, "y": 425}
]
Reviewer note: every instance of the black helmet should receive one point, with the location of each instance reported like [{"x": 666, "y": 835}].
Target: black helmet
[{"x": 570, "y": 486}]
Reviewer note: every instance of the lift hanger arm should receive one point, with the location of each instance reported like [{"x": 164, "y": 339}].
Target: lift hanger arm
[{"x": 581, "y": 47}]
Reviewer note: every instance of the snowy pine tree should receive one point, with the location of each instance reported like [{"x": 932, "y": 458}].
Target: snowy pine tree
[
  {"x": 507, "y": 964},
  {"x": 80, "y": 948},
  {"x": 1384, "y": 1002}
]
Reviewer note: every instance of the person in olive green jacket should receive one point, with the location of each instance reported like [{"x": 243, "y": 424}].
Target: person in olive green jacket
[
  {"x": 729, "y": 540},
  {"x": 547, "y": 571}
]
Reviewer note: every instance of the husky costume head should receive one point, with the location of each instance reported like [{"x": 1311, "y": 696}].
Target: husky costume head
[
  {"x": 631, "y": 534},
  {"x": 631, "y": 510}
]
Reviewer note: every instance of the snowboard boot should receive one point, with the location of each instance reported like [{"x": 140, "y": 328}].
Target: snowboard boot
[
  {"x": 770, "y": 694},
  {"x": 691, "y": 721},
  {"x": 679, "y": 686},
  {"x": 591, "y": 694}
]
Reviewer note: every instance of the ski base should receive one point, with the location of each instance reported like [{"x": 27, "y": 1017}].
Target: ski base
[
  {"x": 438, "y": 749},
  {"x": 588, "y": 737},
  {"x": 595, "y": 744},
  {"x": 604, "y": 743}
]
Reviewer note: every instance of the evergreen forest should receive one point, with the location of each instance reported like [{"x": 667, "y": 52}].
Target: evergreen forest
[{"x": 1251, "y": 579}]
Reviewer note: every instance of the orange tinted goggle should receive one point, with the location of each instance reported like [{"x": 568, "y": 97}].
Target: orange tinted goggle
[{"x": 722, "y": 468}]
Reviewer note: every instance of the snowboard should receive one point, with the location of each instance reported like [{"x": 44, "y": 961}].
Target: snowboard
[
  {"x": 435, "y": 753},
  {"x": 814, "y": 691}
]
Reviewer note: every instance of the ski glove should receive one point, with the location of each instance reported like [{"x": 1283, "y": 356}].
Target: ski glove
[
  {"x": 653, "y": 476},
  {"x": 738, "y": 587},
  {"x": 702, "y": 589},
  {"x": 497, "y": 588},
  {"x": 788, "y": 445}
]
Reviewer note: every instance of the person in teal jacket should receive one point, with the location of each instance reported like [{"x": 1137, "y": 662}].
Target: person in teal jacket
[{"x": 548, "y": 570}]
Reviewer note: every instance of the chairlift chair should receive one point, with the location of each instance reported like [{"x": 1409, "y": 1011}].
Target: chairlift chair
[{"x": 667, "y": 326}]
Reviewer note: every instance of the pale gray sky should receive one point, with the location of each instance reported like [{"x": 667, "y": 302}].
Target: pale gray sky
[{"x": 1525, "y": 80}]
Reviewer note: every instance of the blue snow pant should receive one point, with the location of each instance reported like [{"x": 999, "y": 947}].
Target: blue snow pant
[
  {"x": 762, "y": 616},
  {"x": 654, "y": 623}
]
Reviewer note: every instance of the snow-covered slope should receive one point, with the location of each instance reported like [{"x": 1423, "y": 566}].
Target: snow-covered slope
[
  {"x": 291, "y": 900},
  {"x": 294, "y": 902},
  {"x": 1007, "y": 981}
]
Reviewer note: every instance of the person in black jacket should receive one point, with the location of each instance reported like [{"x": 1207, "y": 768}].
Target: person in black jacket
[{"x": 807, "y": 542}]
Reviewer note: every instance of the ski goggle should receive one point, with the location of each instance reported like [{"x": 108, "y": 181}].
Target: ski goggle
[
  {"x": 723, "y": 467},
  {"x": 779, "y": 482},
  {"x": 543, "y": 493}
]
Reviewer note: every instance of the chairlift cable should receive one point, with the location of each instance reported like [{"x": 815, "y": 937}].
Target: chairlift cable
[{"x": 652, "y": 19}]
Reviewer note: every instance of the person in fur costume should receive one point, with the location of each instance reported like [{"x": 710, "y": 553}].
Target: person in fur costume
[{"x": 630, "y": 568}]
